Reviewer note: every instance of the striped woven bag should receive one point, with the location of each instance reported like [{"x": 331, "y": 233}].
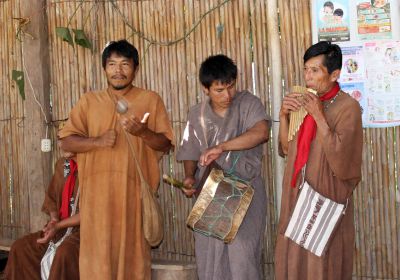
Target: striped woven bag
[{"x": 314, "y": 220}]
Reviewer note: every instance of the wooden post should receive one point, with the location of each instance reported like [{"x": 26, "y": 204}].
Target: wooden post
[
  {"x": 35, "y": 55},
  {"x": 274, "y": 54}
]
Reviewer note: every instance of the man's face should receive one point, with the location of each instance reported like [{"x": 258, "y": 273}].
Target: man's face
[
  {"x": 120, "y": 71},
  {"x": 316, "y": 75},
  {"x": 221, "y": 95}
]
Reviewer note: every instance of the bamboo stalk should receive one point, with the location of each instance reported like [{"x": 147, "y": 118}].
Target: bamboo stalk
[
  {"x": 391, "y": 201},
  {"x": 6, "y": 106},
  {"x": 376, "y": 226},
  {"x": 363, "y": 221},
  {"x": 381, "y": 205},
  {"x": 13, "y": 135},
  {"x": 373, "y": 256}
]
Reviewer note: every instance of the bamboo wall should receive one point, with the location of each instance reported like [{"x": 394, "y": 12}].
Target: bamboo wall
[
  {"x": 173, "y": 37},
  {"x": 12, "y": 158}
]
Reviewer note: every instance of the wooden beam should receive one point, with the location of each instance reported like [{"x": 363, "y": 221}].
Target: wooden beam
[
  {"x": 35, "y": 54},
  {"x": 274, "y": 54}
]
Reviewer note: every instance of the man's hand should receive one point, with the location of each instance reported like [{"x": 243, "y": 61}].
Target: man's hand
[
  {"x": 313, "y": 105},
  {"x": 133, "y": 125},
  {"x": 49, "y": 231},
  {"x": 210, "y": 155},
  {"x": 189, "y": 182},
  {"x": 290, "y": 103},
  {"x": 107, "y": 140}
]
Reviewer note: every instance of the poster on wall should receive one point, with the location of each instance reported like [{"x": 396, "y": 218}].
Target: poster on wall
[
  {"x": 357, "y": 91},
  {"x": 353, "y": 64},
  {"x": 333, "y": 20},
  {"x": 374, "y": 20},
  {"x": 383, "y": 83},
  {"x": 371, "y": 55}
]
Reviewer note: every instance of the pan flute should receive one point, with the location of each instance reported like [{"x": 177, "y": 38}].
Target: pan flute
[{"x": 296, "y": 118}]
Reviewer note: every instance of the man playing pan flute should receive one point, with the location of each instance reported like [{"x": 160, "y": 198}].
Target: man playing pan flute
[
  {"x": 229, "y": 128},
  {"x": 329, "y": 144}
]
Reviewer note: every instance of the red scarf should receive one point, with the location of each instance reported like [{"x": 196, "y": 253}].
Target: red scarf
[
  {"x": 307, "y": 134},
  {"x": 68, "y": 190}
]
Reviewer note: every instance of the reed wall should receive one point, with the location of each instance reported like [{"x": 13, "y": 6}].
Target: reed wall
[{"x": 173, "y": 37}]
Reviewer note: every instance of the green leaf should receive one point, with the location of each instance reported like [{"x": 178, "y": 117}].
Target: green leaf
[
  {"x": 18, "y": 77},
  {"x": 81, "y": 39},
  {"x": 64, "y": 34}
]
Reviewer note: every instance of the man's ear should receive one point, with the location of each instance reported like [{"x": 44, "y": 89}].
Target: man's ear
[
  {"x": 205, "y": 90},
  {"x": 335, "y": 75},
  {"x": 135, "y": 71}
]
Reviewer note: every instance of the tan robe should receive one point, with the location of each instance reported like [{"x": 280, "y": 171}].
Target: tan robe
[
  {"x": 112, "y": 241},
  {"x": 25, "y": 254},
  {"x": 333, "y": 169}
]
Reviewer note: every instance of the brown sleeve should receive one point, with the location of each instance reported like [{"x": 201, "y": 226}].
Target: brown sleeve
[
  {"x": 54, "y": 190},
  {"x": 77, "y": 121},
  {"x": 343, "y": 146}
]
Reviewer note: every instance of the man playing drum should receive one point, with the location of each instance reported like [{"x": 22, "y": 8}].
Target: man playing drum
[{"x": 229, "y": 128}]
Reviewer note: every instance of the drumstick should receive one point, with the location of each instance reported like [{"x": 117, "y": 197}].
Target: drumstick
[{"x": 175, "y": 182}]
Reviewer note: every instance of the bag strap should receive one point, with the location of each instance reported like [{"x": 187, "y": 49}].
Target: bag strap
[
  {"x": 74, "y": 207},
  {"x": 139, "y": 169},
  {"x": 202, "y": 122},
  {"x": 303, "y": 173},
  {"x": 203, "y": 126}
]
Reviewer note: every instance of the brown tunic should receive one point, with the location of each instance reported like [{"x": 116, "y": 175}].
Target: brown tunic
[
  {"x": 333, "y": 169},
  {"x": 25, "y": 254},
  {"x": 113, "y": 245}
]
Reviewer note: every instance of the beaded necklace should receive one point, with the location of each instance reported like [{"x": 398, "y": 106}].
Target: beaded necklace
[{"x": 331, "y": 101}]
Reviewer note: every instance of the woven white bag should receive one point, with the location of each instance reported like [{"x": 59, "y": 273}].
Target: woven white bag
[{"x": 314, "y": 220}]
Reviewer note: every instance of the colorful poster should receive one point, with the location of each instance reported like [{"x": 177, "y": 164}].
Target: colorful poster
[
  {"x": 357, "y": 91},
  {"x": 383, "y": 83},
  {"x": 374, "y": 20},
  {"x": 368, "y": 32},
  {"x": 353, "y": 69},
  {"x": 333, "y": 20}
]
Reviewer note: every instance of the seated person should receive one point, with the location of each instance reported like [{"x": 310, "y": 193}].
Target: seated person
[{"x": 26, "y": 253}]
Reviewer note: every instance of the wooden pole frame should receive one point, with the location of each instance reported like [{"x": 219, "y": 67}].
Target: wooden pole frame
[
  {"x": 35, "y": 58},
  {"x": 274, "y": 53}
]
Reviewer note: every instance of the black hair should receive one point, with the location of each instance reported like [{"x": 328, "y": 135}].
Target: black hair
[
  {"x": 122, "y": 48},
  {"x": 328, "y": 4},
  {"x": 217, "y": 68},
  {"x": 338, "y": 12},
  {"x": 332, "y": 55}
]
